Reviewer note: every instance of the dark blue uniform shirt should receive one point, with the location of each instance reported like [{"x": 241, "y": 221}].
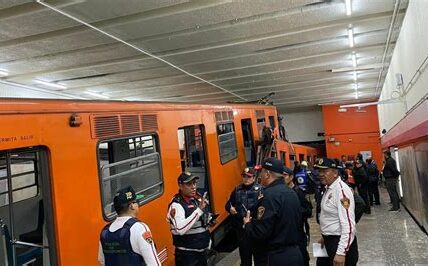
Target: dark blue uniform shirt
[{"x": 277, "y": 223}]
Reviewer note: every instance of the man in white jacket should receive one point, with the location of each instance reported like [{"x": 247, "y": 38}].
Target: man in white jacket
[{"x": 337, "y": 218}]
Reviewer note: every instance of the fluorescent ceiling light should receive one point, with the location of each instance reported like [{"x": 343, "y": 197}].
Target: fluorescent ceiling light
[
  {"x": 50, "y": 84},
  {"x": 359, "y": 68},
  {"x": 348, "y": 7},
  {"x": 98, "y": 95},
  {"x": 4, "y": 73},
  {"x": 351, "y": 37},
  {"x": 354, "y": 60},
  {"x": 355, "y": 75}
]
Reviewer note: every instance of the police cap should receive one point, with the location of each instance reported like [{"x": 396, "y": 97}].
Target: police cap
[
  {"x": 325, "y": 163},
  {"x": 273, "y": 165},
  {"x": 126, "y": 195},
  {"x": 186, "y": 177}
]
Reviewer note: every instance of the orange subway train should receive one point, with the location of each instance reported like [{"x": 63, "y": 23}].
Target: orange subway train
[{"x": 62, "y": 161}]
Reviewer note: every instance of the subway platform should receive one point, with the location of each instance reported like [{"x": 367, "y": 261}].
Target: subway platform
[{"x": 384, "y": 238}]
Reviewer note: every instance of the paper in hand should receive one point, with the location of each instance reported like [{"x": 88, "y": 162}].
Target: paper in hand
[{"x": 318, "y": 251}]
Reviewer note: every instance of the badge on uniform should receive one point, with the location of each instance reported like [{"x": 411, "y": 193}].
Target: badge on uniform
[
  {"x": 148, "y": 237},
  {"x": 260, "y": 212},
  {"x": 345, "y": 202}
]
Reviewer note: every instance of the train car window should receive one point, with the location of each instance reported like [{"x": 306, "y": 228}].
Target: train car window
[
  {"x": 283, "y": 155},
  {"x": 260, "y": 125},
  {"x": 23, "y": 174},
  {"x": 131, "y": 161},
  {"x": 272, "y": 122},
  {"x": 227, "y": 142},
  {"x": 292, "y": 157}
]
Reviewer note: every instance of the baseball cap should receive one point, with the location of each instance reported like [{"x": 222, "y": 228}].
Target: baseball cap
[
  {"x": 273, "y": 165},
  {"x": 325, "y": 163},
  {"x": 126, "y": 195},
  {"x": 288, "y": 171},
  {"x": 186, "y": 177},
  {"x": 248, "y": 171}
]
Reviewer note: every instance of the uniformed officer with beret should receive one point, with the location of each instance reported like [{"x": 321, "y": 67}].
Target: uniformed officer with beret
[
  {"x": 189, "y": 220},
  {"x": 277, "y": 226},
  {"x": 127, "y": 241},
  {"x": 337, "y": 217}
]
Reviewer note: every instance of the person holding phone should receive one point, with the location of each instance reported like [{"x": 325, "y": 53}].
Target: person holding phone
[
  {"x": 242, "y": 199},
  {"x": 189, "y": 219}
]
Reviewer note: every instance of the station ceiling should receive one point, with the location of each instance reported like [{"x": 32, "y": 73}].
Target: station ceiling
[{"x": 211, "y": 51}]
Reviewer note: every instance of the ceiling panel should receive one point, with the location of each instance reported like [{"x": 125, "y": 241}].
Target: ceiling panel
[{"x": 169, "y": 49}]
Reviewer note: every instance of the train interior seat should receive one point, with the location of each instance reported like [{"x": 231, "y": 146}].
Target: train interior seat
[{"x": 24, "y": 255}]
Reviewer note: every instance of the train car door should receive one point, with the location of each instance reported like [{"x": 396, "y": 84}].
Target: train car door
[
  {"x": 247, "y": 135},
  {"x": 191, "y": 141},
  {"x": 27, "y": 233}
]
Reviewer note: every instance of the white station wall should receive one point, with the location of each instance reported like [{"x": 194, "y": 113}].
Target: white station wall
[
  {"x": 409, "y": 55},
  {"x": 304, "y": 126}
]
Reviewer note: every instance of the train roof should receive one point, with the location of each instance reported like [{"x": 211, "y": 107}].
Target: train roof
[{"x": 11, "y": 106}]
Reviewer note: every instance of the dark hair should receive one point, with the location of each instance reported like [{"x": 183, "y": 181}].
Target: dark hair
[
  {"x": 388, "y": 153},
  {"x": 121, "y": 208},
  {"x": 369, "y": 161}
]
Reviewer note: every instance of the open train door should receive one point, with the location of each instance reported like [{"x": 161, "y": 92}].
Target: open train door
[
  {"x": 27, "y": 233},
  {"x": 191, "y": 141},
  {"x": 247, "y": 135}
]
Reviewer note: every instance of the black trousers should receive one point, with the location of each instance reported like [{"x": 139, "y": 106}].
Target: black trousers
[
  {"x": 391, "y": 186},
  {"x": 287, "y": 256},
  {"x": 374, "y": 193},
  {"x": 245, "y": 248},
  {"x": 331, "y": 243},
  {"x": 363, "y": 191},
  {"x": 190, "y": 258}
]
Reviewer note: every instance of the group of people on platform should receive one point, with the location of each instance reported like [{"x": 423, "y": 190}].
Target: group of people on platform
[{"x": 269, "y": 215}]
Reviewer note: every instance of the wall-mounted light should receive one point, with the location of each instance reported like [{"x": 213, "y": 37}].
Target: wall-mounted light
[
  {"x": 351, "y": 36},
  {"x": 348, "y": 5},
  {"x": 50, "y": 84}
]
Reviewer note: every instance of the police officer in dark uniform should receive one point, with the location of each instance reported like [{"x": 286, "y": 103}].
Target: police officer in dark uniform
[
  {"x": 126, "y": 241},
  {"x": 189, "y": 220},
  {"x": 242, "y": 199},
  {"x": 277, "y": 226},
  {"x": 305, "y": 209}
]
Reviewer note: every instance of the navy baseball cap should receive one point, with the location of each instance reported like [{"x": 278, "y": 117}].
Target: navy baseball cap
[
  {"x": 273, "y": 165},
  {"x": 186, "y": 177},
  {"x": 126, "y": 195},
  {"x": 325, "y": 163},
  {"x": 288, "y": 171}
]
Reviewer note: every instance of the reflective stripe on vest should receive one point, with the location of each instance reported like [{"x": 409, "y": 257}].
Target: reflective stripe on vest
[{"x": 198, "y": 236}]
